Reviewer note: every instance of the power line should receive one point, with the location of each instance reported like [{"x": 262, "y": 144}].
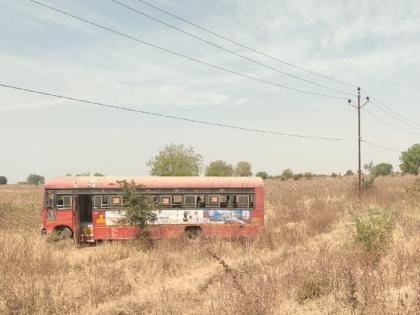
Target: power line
[
  {"x": 395, "y": 116},
  {"x": 386, "y": 109},
  {"x": 226, "y": 49},
  {"x": 245, "y": 46},
  {"x": 389, "y": 124},
  {"x": 381, "y": 146},
  {"x": 74, "y": 99},
  {"x": 276, "y": 59},
  {"x": 185, "y": 56}
]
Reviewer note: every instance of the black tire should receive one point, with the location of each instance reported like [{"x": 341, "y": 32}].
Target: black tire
[
  {"x": 64, "y": 233},
  {"x": 193, "y": 233}
]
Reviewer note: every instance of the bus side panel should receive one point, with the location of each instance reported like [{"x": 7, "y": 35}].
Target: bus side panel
[
  {"x": 102, "y": 231},
  {"x": 60, "y": 218}
]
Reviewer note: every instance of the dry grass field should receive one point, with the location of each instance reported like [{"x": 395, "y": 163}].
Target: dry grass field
[{"x": 312, "y": 259}]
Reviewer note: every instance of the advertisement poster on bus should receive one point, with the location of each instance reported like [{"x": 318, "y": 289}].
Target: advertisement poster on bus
[{"x": 193, "y": 216}]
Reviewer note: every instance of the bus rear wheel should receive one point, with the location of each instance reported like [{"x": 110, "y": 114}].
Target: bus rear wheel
[{"x": 193, "y": 232}]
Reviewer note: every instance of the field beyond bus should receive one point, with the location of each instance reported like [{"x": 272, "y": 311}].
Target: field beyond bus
[{"x": 318, "y": 254}]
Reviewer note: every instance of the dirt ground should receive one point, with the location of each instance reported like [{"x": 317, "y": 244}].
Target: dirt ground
[{"x": 312, "y": 258}]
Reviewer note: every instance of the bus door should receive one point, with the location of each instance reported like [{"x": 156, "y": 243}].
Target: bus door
[{"x": 76, "y": 219}]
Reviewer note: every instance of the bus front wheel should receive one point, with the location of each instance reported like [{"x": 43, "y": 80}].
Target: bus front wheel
[{"x": 62, "y": 233}]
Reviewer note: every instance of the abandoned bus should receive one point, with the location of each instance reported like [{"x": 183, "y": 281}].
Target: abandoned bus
[{"x": 92, "y": 208}]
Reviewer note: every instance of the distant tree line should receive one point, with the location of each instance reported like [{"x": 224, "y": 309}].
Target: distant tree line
[{"x": 180, "y": 160}]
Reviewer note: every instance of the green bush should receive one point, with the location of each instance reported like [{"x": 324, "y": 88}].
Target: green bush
[{"x": 373, "y": 231}]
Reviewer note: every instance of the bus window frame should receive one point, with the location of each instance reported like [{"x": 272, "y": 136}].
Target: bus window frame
[
  {"x": 63, "y": 206},
  {"x": 242, "y": 206},
  {"x": 211, "y": 204},
  {"x": 189, "y": 205},
  {"x": 169, "y": 205}
]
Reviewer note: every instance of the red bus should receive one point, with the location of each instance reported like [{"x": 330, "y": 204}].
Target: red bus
[{"x": 91, "y": 208}]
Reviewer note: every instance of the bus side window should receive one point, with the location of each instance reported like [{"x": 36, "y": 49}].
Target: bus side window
[
  {"x": 234, "y": 201},
  {"x": 201, "y": 201},
  {"x": 153, "y": 200},
  {"x": 50, "y": 200},
  {"x": 176, "y": 201},
  {"x": 97, "y": 202},
  {"x": 243, "y": 201},
  {"x": 224, "y": 201},
  {"x": 251, "y": 201},
  {"x": 116, "y": 200},
  {"x": 165, "y": 201},
  {"x": 190, "y": 201},
  {"x": 213, "y": 201},
  {"x": 63, "y": 202},
  {"x": 105, "y": 202}
]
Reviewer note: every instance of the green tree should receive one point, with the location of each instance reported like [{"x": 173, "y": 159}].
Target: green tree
[
  {"x": 381, "y": 169},
  {"x": 175, "y": 160},
  {"x": 243, "y": 168},
  {"x": 98, "y": 174},
  {"x": 139, "y": 208},
  {"x": 34, "y": 179},
  {"x": 349, "y": 173},
  {"x": 3, "y": 180},
  {"x": 219, "y": 168},
  {"x": 411, "y": 160},
  {"x": 262, "y": 174},
  {"x": 287, "y": 174}
]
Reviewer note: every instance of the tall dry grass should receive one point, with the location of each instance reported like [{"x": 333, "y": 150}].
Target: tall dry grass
[{"x": 305, "y": 262}]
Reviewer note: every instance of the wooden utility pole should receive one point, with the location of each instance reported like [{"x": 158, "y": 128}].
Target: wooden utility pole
[{"x": 359, "y": 141}]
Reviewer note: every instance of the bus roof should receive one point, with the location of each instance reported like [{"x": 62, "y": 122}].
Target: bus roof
[{"x": 108, "y": 182}]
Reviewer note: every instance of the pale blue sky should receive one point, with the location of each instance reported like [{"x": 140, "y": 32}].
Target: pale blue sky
[{"x": 372, "y": 43}]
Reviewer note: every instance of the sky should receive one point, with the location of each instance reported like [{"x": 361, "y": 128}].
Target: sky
[{"x": 372, "y": 44}]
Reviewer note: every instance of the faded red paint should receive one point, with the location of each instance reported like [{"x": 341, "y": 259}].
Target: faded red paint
[{"x": 104, "y": 182}]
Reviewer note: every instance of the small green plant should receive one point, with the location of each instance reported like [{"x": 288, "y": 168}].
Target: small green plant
[
  {"x": 373, "y": 231},
  {"x": 139, "y": 208}
]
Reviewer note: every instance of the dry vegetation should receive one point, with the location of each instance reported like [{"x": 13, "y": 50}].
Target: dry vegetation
[{"x": 308, "y": 261}]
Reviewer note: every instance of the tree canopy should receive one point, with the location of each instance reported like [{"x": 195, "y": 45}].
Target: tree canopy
[
  {"x": 262, "y": 174},
  {"x": 3, "y": 180},
  {"x": 35, "y": 179},
  {"x": 243, "y": 168},
  {"x": 349, "y": 173},
  {"x": 219, "y": 168},
  {"x": 381, "y": 169},
  {"x": 287, "y": 173},
  {"x": 411, "y": 160},
  {"x": 175, "y": 160}
]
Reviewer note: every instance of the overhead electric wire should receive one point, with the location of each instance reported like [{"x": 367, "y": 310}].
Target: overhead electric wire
[
  {"x": 381, "y": 146},
  {"x": 185, "y": 56},
  {"x": 391, "y": 112},
  {"x": 386, "y": 109},
  {"x": 74, "y": 99},
  {"x": 116, "y": 32},
  {"x": 388, "y": 123},
  {"x": 245, "y": 46},
  {"x": 136, "y": 11}
]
